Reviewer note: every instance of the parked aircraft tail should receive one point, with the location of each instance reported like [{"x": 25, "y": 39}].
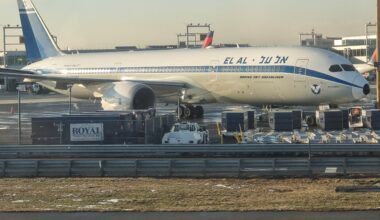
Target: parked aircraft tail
[
  {"x": 208, "y": 40},
  {"x": 39, "y": 42}
]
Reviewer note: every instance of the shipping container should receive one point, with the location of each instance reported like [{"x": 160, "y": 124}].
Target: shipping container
[
  {"x": 297, "y": 119},
  {"x": 281, "y": 120},
  {"x": 93, "y": 129},
  {"x": 345, "y": 116},
  {"x": 102, "y": 128},
  {"x": 372, "y": 119},
  {"x": 47, "y": 130},
  {"x": 251, "y": 119},
  {"x": 234, "y": 121},
  {"x": 330, "y": 120}
]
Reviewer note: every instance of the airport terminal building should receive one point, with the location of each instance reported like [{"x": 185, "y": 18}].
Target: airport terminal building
[{"x": 360, "y": 48}]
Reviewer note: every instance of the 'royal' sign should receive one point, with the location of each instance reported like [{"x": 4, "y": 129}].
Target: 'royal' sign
[{"x": 87, "y": 132}]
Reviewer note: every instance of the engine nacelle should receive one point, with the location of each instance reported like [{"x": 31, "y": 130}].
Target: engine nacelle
[{"x": 121, "y": 96}]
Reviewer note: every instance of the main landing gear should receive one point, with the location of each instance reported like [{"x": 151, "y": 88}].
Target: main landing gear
[{"x": 189, "y": 111}]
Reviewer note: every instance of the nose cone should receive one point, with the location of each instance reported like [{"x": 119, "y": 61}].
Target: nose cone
[
  {"x": 366, "y": 89},
  {"x": 362, "y": 88}
]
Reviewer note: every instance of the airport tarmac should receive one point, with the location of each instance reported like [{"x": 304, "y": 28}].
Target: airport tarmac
[{"x": 55, "y": 104}]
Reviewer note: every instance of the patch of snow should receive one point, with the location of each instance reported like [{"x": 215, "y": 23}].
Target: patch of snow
[
  {"x": 113, "y": 200},
  {"x": 20, "y": 201},
  {"x": 77, "y": 200},
  {"x": 67, "y": 195},
  {"x": 108, "y": 202},
  {"x": 89, "y": 206},
  {"x": 223, "y": 186}
]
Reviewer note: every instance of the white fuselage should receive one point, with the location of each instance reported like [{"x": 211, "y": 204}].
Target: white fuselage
[{"x": 256, "y": 76}]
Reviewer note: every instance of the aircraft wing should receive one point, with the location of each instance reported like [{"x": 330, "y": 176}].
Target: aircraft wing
[{"x": 63, "y": 79}]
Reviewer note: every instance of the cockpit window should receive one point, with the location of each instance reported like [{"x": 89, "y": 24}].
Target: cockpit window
[
  {"x": 335, "y": 68},
  {"x": 348, "y": 67}
]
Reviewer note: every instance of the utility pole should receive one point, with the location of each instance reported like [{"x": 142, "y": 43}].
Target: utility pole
[
  {"x": 70, "y": 87},
  {"x": 313, "y": 34},
  {"x": 377, "y": 60}
]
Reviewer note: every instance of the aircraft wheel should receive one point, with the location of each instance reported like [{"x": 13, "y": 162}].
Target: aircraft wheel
[{"x": 187, "y": 112}]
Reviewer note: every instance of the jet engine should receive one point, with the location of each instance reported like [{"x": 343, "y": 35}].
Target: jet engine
[{"x": 121, "y": 96}]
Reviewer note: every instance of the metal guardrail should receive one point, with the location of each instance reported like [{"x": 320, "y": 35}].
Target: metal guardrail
[
  {"x": 141, "y": 151},
  {"x": 241, "y": 168}
]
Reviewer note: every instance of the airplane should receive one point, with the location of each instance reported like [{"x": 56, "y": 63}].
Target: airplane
[
  {"x": 367, "y": 67},
  {"x": 208, "y": 40},
  {"x": 140, "y": 79}
]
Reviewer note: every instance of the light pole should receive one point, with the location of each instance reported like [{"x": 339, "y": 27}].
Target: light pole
[
  {"x": 70, "y": 86},
  {"x": 367, "y": 33},
  {"x": 20, "y": 88}
]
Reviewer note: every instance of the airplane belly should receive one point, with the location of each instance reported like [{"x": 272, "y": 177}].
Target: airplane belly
[{"x": 264, "y": 92}]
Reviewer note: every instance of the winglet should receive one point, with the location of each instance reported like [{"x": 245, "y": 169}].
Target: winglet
[
  {"x": 39, "y": 42},
  {"x": 208, "y": 40}
]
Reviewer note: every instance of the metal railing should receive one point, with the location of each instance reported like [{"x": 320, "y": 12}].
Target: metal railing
[
  {"x": 237, "y": 168},
  {"x": 171, "y": 151}
]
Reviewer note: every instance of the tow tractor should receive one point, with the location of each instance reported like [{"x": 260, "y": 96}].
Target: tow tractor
[{"x": 186, "y": 133}]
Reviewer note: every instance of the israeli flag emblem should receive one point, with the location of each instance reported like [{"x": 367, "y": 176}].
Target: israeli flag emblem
[{"x": 316, "y": 89}]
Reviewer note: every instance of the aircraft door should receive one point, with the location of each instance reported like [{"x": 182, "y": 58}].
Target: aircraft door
[{"x": 300, "y": 75}]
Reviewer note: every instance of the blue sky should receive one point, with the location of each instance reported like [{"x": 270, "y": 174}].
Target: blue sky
[{"x": 109, "y": 23}]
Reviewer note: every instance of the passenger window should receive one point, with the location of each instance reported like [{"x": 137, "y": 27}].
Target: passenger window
[
  {"x": 348, "y": 67},
  {"x": 335, "y": 68}
]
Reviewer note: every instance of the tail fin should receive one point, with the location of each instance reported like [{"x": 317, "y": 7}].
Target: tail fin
[
  {"x": 374, "y": 57},
  {"x": 39, "y": 42},
  {"x": 208, "y": 40}
]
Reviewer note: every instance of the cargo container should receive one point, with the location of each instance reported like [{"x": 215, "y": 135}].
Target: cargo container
[
  {"x": 297, "y": 119},
  {"x": 345, "y": 116},
  {"x": 372, "y": 119},
  {"x": 330, "y": 120},
  {"x": 93, "y": 129},
  {"x": 47, "y": 130},
  {"x": 281, "y": 120},
  {"x": 251, "y": 119},
  {"x": 234, "y": 121},
  {"x": 101, "y": 128}
]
